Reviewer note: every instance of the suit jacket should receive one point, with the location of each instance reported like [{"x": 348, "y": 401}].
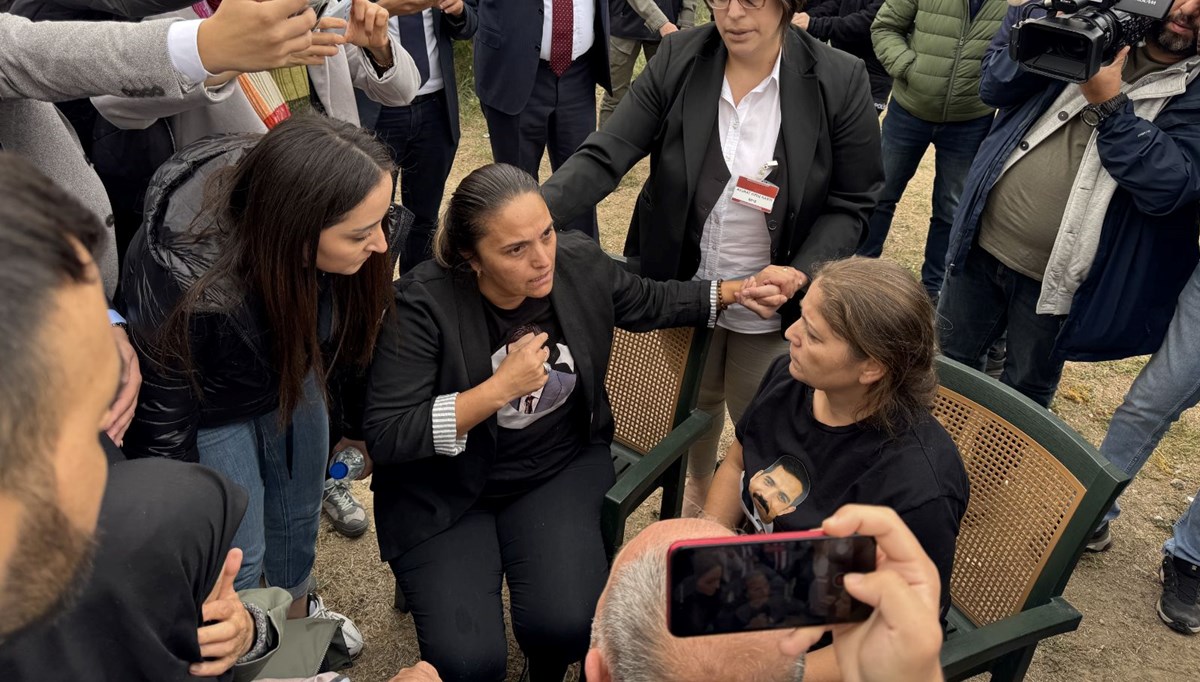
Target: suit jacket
[
  {"x": 225, "y": 109},
  {"x": 49, "y": 62},
  {"x": 435, "y": 343},
  {"x": 446, "y": 29},
  {"x": 829, "y": 133},
  {"x": 508, "y": 47}
]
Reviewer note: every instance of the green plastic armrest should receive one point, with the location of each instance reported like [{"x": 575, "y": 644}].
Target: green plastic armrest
[
  {"x": 635, "y": 484},
  {"x": 967, "y": 651}
]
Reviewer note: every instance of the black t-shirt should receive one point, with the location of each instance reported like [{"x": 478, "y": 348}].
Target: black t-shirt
[
  {"x": 541, "y": 432},
  {"x": 799, "y": 471}
]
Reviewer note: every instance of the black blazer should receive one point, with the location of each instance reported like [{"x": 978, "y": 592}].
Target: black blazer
[
  {"x": 436, "y": 342},
  {"x": 830, "y": 137},
  {"x": 508, "y": 47},
  {"x": 446, "y": 28}
]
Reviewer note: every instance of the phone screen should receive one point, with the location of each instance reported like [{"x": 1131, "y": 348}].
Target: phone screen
[{"x": 764, "y": 582}]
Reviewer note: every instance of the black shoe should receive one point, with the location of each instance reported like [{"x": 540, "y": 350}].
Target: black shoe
[
  {"x": 1177, "y": 606},
  {"x": 1101, "y": 539}
]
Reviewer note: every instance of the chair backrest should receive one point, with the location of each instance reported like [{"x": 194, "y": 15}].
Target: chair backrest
[
  {"x": 1037, "y": 491},
  {"x": 653, "y": 381}
]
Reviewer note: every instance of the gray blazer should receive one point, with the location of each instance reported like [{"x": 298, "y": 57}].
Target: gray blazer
[
  {"x": 225, "y": 109},
  {"x": 57, "y": 61}
]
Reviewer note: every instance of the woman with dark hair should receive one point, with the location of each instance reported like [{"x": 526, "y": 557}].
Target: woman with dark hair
[
  {"x": 764, "y": 155},
  {"x": 262, "y": 267},
  {"x": 851, "y": 402},
  {"x": 482, "y": 472}
]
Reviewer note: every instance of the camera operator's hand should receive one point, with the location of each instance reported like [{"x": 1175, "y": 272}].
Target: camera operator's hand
[
  {"x": 1106, "y": 84},
  {"x": 902, "y": 638}
]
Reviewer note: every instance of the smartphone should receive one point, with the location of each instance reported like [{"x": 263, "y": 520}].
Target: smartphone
[{"x": 764, "y": 582}]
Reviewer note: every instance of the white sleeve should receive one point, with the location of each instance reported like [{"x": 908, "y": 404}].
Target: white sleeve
[{"x": 185, "y": 52}]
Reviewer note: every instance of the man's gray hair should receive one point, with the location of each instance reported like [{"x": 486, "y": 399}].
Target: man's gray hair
[{"x": 630, "y": 630}]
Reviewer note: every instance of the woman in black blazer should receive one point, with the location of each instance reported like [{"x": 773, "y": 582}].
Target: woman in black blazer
[
  {"x": 744, "y": 97},
  {"x": 489, "y": 427}
]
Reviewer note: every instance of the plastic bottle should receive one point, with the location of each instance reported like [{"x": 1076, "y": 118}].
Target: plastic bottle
[{"x": 348, "y": 463}]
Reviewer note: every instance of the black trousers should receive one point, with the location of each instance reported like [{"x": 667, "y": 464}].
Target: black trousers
[
  {"x": 547, "y": 544},
  {"x": 559, "y": 116},
  {"x": 423, "y": 148}
]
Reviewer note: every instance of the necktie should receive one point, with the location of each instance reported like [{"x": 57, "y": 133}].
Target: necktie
[
  {"x": 412, "y": 39},
  {"x": 562, "y": 29}
]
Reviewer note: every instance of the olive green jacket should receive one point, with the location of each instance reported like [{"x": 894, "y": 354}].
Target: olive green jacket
[
  {"x": 301, "y": 646},
  {"x": 933, "y": 50}
]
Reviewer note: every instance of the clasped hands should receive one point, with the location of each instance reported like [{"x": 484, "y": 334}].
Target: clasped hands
[{"x": 765, "y": 291}]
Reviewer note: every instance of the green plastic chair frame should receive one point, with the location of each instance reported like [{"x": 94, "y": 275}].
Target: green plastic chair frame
[
  {"x": 640, "y": 471},
  {"x": 1005, "y": 647}
]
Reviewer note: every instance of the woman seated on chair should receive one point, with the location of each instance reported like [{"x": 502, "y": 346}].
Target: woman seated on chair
[
  {"x": 844, "y": 417},
  {"x": 490, "y": 428}
]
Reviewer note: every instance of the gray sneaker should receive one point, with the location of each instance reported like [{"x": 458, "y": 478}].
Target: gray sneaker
[{"x": 346, "y": 513}]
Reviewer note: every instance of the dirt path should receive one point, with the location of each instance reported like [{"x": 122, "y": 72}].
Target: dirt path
[{"x": 1121, "y": 637}]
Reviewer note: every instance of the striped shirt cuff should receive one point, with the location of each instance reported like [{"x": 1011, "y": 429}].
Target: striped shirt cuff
[
  {"x": 713, "y": 302},
  {"x": 445, "y": 426}
]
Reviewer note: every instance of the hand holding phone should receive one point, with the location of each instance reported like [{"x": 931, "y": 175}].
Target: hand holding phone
[
  {"x": 902, "y": 638},
  {"x": 764, "y": 582}
]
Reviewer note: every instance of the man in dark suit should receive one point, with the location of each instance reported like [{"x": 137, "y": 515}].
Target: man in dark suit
[
  {"x": 537, "y": 64},
  {"x": 423, "y": 136}
]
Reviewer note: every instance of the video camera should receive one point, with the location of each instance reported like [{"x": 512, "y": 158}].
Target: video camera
[{"x": 1084, "y": 36}]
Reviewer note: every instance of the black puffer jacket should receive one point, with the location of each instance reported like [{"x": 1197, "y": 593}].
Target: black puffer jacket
[
  {"x": 846, "y": 25},
  {"x": 230, "y": 342}
]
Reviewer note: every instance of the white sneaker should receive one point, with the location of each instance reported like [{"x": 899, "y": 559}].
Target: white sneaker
[
  {"x": 350, "y": 632},
  {"x": 345, "y": 512}
]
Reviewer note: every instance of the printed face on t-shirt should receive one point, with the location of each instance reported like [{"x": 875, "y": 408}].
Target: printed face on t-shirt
[
  {"x": 777, "y": 489},
  {"x": 560, "y": 382}
]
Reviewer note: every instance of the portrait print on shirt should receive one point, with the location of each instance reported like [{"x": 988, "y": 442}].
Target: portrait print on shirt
[
  {"x": 527, "y": 409},
  {"x": 774, "y": 491}
]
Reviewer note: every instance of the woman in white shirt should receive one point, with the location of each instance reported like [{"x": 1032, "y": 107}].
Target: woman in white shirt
[{"x": 764, "y": 154}]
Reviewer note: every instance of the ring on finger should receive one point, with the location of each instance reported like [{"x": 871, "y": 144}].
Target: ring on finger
[{"x": 546, "y": 368}]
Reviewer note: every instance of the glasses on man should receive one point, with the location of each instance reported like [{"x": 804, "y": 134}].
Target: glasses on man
[{"x": 746, "y": 4}]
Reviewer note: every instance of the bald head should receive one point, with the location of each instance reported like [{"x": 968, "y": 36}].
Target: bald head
[{"x": 630, "y": 641}]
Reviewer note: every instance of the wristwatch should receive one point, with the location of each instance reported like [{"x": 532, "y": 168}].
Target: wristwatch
[{"x": 1093, "y": 114}]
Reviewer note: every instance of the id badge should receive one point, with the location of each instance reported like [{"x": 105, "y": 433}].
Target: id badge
[{"x": 757, "y": 194}]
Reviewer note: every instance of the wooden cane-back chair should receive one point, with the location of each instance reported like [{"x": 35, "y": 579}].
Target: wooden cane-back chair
[
  {"x": 653, "y": 380},
  {"x": 1037, "y": 491}
]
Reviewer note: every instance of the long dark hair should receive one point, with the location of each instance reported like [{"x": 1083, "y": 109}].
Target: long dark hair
[
  {"x": 484, "y": 191},
  {"x": 268, "y": 215}
]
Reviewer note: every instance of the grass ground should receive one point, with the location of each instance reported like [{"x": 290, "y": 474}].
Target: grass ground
[{"x": 1121, "y": 637}]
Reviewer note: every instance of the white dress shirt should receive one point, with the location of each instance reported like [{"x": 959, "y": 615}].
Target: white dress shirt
[
  {"x": 435, "y": 81},
  {"x": 185, "y": 54},
  {"x": 735, "y": 242},
  {"x": 583, "y": 29}
]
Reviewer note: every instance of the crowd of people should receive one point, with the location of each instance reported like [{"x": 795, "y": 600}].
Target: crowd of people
[{"x": 255, "y": 192}]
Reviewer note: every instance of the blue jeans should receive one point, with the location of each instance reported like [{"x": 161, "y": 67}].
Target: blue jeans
[
  {"x": 1167, "y": 385},
  {"x": 278, "y": 535},
  {"x": 905, "y": 139},
  {"x": 984, "y": 299}
]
